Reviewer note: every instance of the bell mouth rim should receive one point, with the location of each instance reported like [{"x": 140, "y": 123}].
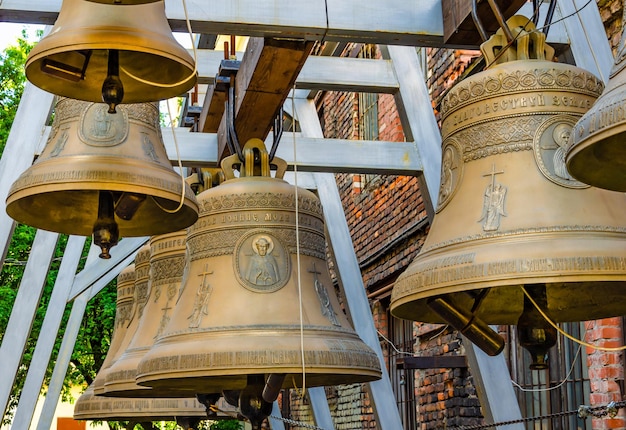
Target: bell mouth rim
[{"x": 605, "y": 172}]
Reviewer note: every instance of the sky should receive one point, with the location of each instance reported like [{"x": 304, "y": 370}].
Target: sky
[{"x": 9, "y": 32}]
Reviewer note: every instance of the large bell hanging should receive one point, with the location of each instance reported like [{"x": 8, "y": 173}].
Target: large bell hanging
[
  {"x": 103, "y": 173},
  {"x": 91, "y": 407},
  {"x": 123, "y": 319},
  {"x": 167, "y": 261},
  {"x": 97, "y": 53},
  {"x": 131, "y": 300},
  {"x": 510, "y": 216},
  {"x": 186, "y": 412},
  {"x": 596, "y": 154},
  {"x": 236, "y": 323}
]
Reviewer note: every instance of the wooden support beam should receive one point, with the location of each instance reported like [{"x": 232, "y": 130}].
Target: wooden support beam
[
  {"x": 212, "y": 110},
  {"x": 435, "y": 362},
  {"x": 268, "y": 71}
]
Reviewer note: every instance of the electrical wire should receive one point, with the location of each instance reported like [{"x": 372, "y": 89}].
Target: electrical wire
[
  {"x": 567, "y": 335},
  {"x": 569, "y": 373},
  {"x": 299, "y": 280},
  {"x": 535, "y": 13},
  {"x": 195, "y": 60},
  {"x": 180, "y": 167}
]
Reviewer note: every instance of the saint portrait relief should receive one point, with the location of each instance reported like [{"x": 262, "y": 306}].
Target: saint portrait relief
[
  {"x": 99, "y": 128},
  {"x": 550, "y": 147},
  {"x": 451, "y": 168},
  {"x": 261, "y": 262}
]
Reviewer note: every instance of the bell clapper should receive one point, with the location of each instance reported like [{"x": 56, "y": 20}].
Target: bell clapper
[
  {"x": 105, "y": 230},
  {"x": 476, "y": 330},
  {"x": 252, "y": 404},
  {"x": 209, "y": 401},
  {"x": 112, "y": 88},
  {"x": 535, "y": 334},
  {"x": 127, "y": 205}
]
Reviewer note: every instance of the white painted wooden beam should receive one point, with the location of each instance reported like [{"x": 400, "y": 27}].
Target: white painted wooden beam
[{"x": 389, "y": 22}]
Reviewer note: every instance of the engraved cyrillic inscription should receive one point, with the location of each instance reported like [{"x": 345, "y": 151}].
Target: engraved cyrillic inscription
[{"x": 423, "y": 277}]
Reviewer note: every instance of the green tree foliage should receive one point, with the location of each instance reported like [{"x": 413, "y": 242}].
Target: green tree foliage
[{"x": 12, "y": 79}]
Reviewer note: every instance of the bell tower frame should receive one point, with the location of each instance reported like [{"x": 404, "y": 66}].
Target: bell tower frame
[{"x": 399, "y": 73}]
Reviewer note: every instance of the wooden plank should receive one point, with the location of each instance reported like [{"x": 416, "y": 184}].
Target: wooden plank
[
  {"x": 212, "y": 110},
  {"x": 268, "y": 71},
  {"x": 459, "y": 27},
  {"x": 435, "y": 362}
]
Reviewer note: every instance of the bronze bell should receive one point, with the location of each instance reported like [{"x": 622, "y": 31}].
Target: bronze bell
[
  {"x": 139, "y": 300},
  {"x": 91, "y": 407},
  {"x": 103, "y": 174},
  {"x": 236, "y": 326},
  {"x": 167, "y": 261},
  {"x": 596, "y": 154},
  {"x": 124, "y": 316},
  {"x": 510, "y": 216},
  {"x": 99, "y": 53},
  {"x": 186, "y": 412}
]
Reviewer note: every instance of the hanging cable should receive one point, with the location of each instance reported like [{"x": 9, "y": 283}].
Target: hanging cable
[
  {"x": 539, "y": 390},
  {"x": 298, "y": 271},
  {"x": 195, "y": 60},
  {"x": 567, "y": 335},
  {"x": 546, "y": 26},
  {"x": 180, "y": 167}
]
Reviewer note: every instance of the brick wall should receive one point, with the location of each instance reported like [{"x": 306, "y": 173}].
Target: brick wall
[
  {"x": 606, "y": 368},
  {"x": 446, "y": 397}
]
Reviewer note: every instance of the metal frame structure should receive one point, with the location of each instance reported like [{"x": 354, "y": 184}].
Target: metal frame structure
[{"x": 398, "y": 24}]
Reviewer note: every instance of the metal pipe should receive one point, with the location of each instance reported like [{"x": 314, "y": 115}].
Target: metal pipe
[
  {"x": 501, "y": 21},
  {"x": 477, "y": 22}
]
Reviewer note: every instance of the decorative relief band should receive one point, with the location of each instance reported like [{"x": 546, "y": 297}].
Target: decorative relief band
[
  {"x": 70, "y": 110},
  {"x": 123, "y": 314},
  {"x": 565, "y": 78},
  {"x": 260, "y": 200},
  {"x": 167, "y": 269},
  {"x": 126, "y": 276},
  {"x": 486, "y": 138},
  {"x": 532, "y": 230},
  {"x": 222, "y": 242}
]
